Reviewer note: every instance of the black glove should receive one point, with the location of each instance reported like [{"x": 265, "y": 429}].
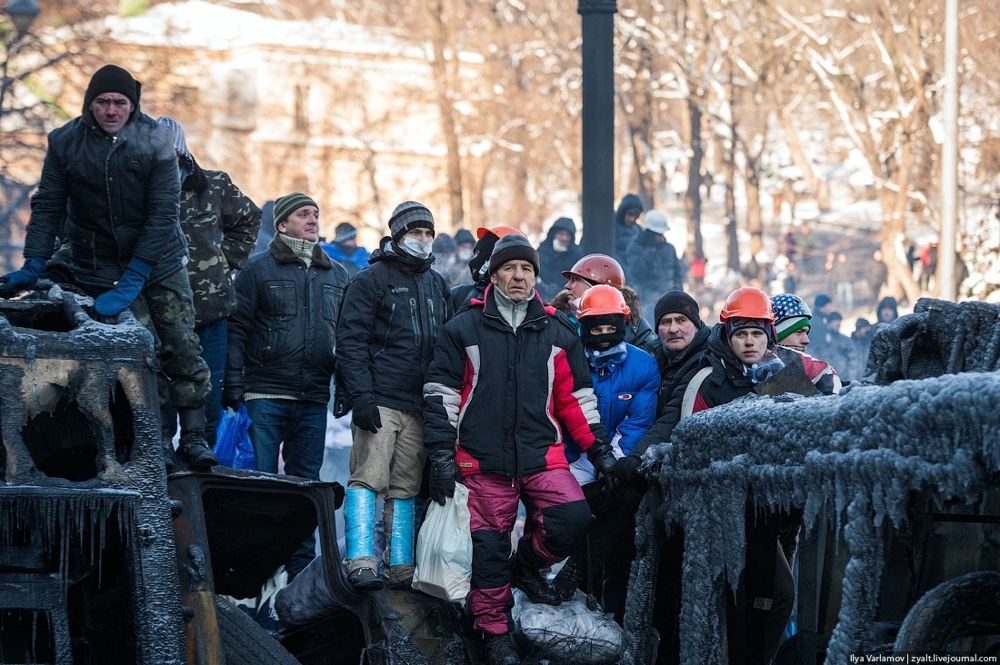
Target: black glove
[
  {"x": 602, "y": 457},
  {"x": 367, "y": 417},
  {"x": 444, "y": 475},
  {"x": 232, "y": 389},
  {"x": 624, "y": 469}
]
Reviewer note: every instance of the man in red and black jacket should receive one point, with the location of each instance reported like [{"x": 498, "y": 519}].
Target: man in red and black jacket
[{"x": 509, "y": 380}]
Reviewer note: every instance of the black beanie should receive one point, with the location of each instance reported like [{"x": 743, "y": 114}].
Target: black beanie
[
  {"x": 677, "y": 302},
  {"x": 112, "y": 78},
  {"x": 513, "y": 247}
]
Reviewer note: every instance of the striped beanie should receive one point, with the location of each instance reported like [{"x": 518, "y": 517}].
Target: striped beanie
[
  {"x": 286, "y": 205},
  {"x": 786, "y": 327},
  {"x": 407, "y": 216}
]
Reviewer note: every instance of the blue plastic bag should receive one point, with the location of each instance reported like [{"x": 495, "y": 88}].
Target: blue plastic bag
[{"x": 232, "y": 440}]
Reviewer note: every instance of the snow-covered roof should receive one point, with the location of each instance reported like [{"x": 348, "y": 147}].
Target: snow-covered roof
[{"x": 203, "y": 25}]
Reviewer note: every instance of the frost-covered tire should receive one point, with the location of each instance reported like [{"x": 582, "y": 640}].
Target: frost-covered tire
[
  {"x": 945, "y": 612},
  {"x": 244, "y": 642},
  {"x": 802, "y": 648}
]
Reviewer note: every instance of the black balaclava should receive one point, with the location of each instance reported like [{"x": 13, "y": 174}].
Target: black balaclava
[
  {"x": 591, "y": 341},
  {"x": 480, "y": 255}
]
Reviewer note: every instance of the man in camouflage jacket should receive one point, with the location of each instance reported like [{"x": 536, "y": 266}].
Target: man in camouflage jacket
[{"x": 221, "y": 226}]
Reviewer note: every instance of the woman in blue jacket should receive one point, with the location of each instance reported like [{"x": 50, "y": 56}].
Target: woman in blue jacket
[{"x": 626, "y": 382}]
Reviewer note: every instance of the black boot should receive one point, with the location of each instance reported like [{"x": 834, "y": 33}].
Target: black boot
[
  {"x": 193, "y": 448},
  {"x": 500, "y": 650},
  {"x": 568, "y": 579},
  {"x": 530, "y": 581}
]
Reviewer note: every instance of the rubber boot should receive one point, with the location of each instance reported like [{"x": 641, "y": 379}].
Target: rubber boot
[
  {"x": 193, "y": 447},
  {"x": 398, "y": 557},
  {"x": 359, "y": 516}
]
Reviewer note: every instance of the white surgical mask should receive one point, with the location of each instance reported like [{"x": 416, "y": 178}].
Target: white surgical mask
[{"x": 414, "y": 247}]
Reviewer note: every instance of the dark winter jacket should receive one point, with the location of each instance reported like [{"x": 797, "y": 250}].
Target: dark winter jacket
[
  {"x": 624, "y": 235},
  {"x": 552, "y": 264},
  {"x": 626, "y": 399},
  {"x": 353, "y": 262},
  {"x": 220, "y": 223},
  {"x": 385, "y": 340},
  {"x": 506, "y": 400},
  {"x": 674, "y": 372},
  {"x": 110, "y": 199},
  {"x": 282, "y": 333},
  {"x": 653, "y": 267}
]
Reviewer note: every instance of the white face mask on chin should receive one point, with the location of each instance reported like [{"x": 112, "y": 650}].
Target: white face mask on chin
[{"x": 414, "y": 247}]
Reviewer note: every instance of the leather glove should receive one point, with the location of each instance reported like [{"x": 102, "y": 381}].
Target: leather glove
[
  {"x": 127, "y": 289},
  {"x": 21, "y": 279},
  {"x": 444, "y": 475},
  {"x": 602, "y": 457},
  {"x": 367, "y": 417},
  {"x": 625, "y": 468}
]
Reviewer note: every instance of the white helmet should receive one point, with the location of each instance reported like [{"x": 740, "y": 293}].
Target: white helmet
[{"x": 655, "y": 221}]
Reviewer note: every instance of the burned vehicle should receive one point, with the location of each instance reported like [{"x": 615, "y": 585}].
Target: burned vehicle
[
  {"x": 896, "y": 481},
  {"x": 109, "y": 556}
]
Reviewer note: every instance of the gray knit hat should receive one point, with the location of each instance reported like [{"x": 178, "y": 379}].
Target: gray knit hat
[
  {"x": 513, "y": 247},
  {"x": 286, "y": 205},
  {"x": 407, "y": 216},
  {"x": 177, "y": 138}
]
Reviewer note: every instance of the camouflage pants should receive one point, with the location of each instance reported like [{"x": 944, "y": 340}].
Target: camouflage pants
[{"x": 166, "y": 308}]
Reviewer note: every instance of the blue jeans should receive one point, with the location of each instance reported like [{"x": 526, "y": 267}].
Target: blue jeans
[
  {"x": 213, "y": 352},
  {"x": 297, "y": 427}
]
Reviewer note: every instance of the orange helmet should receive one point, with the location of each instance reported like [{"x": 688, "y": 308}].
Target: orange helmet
[
  {"x": 499, "y": 231},
  {"x": 598, "y": 269},
  {"x": 747, "y": 303},
  {"x": 601, "y": 300}
]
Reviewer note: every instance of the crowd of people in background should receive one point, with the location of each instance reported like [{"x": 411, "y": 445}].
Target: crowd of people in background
[{"x": 532, "y": 375}]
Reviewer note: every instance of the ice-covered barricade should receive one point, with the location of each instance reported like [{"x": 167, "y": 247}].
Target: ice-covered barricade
[
  {"x": 87, "y": 568},
  {"x": 927, "y": 422}
]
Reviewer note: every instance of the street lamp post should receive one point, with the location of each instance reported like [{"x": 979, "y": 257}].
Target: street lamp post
[
  {"x": 22, "y": 13},
  {"x": 598, "y": 160}
]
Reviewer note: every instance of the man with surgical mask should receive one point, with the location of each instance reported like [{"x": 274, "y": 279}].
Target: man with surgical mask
[{"x": 391, "y": 316}]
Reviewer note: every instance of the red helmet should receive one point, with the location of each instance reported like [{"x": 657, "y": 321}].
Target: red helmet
[
  {"x": 598, "y": 269},
  {"x": 499, "y": 231},
  {"x": 747, "y": 303},
  {"x": 601, "y": 299}
]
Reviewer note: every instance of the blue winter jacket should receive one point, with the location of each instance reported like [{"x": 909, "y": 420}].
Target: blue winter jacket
[{"x": 626, "y": 399}]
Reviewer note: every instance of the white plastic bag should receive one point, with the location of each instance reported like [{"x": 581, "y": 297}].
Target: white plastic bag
[{"x": 444, "y": 549}]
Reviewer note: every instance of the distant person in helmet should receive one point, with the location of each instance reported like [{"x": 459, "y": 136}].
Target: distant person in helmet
[
  {"x": 652, "y": 261},
  {"x": 594, "y": 269},
  {"x": 626, "y": 381},
  {"x": 742, "y": 352}
]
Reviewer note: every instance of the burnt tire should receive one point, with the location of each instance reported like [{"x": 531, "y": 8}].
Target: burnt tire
[
  {"x": 949, "y": 611},
  {"x": 802, "y": 648},
  {"x": 244, "y": 642}
]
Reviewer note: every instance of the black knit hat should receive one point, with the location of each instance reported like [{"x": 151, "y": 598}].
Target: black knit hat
[
  {"x": 407, "y": 216},
  {"x": 677, "y": 302},
  {"x": 112, "y": 78},
  {"x": 345, "y": 231},
  {"x": 513, "y": 247},
  {"x": 286, "y": 205}
]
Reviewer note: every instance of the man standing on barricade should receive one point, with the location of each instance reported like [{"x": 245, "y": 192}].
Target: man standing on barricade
[
  {"x": 393, "y": 312},
  {"x": 110, "y": 194},
  {"x": 509, "y": 376}
]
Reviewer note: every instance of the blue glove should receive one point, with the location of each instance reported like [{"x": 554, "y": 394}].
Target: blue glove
[
  {"x": 126, "y": 290},
  {"x": 15, "y": 281}
]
